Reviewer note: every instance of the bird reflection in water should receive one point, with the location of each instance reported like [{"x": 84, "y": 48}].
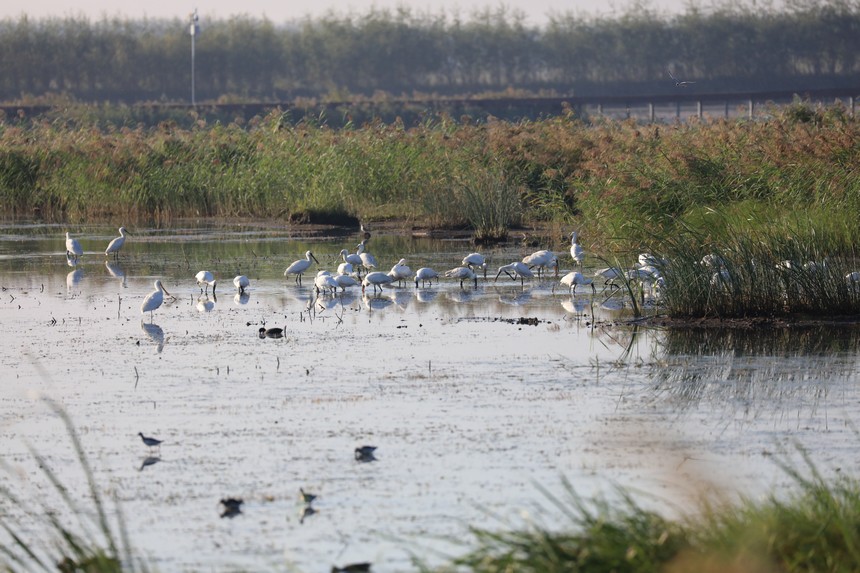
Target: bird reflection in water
[
  {"x": 425, "y": 295},
  {"x": 241, "y": 298},
  {"x": 307, "y": 511},
  {"x": 148, "y": 461},
  {"x": 376, "y": 302},
  {"x": 205, "y": 304},
  {"x": 574, "y": 305},
  {"x": 154, "y": 333},
  {"x": 73, "y": 278},
  {"x": 116, "y": 272}
]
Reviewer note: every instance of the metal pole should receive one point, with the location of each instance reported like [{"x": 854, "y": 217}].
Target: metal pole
[{"x": 193, "y": 31}]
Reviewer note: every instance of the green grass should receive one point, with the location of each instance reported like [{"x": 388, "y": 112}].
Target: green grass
[{"x": 816, "y": 527}]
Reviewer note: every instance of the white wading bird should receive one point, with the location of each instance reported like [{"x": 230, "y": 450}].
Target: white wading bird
[
  {"x": 463, "y": 274},
  {"x": 425, "y": 274},
  {"x": 207, "y": 278},
  {"x": 368, "y": 261},
  {"x": 577, "y": 253},
  {"x": 115, "y": 245},
  {"x": 474, "y": 260},
  {"x": 73, "y": 247},
  {"x": 377, "y": 279},
  {"x": 154, "y": 299},
  {"x": 401, "y": 271},
  {"x": 241, "y": 282},
  {"x": 516, "y": 270},
  {"x": 572, "y": 279},
  {"x": 300, "y": 266}
]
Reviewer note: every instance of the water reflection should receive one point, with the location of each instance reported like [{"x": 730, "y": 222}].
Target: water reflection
[
  {"x": 377, "y": 302},
  {"x": 74, "y": 277},
  {"x": 148, "y": 461},
  {"x": 575, "y": 305},
  {"x": 241, "y": 298},
  {"x": 515, "y": 297},
  {"x": 154, "y": 333},
  {"x": 461, "y": 295},
  {"x": 306, "y": 512},
  {"x": 71, "y": 261},
  {"x": 116, "y": 272},
  {"x": 756, "y": 369},
  {"x": 426, "y": 296},
  {"x": 206, "y": 304}
]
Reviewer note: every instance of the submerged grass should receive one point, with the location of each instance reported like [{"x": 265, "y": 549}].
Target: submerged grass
[{"x": 815, "y": 528}]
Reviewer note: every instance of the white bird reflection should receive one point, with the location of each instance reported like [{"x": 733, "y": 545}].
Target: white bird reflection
[
  {"x": 206, "y": 304},
  {"x": 154, "y": 333},
  {"x": 424, "y": 295},
  {"x": 116, "y": 272},
  {"x": 575, "y": 305},
  {"x": 241, "y": 298},
  {"x": 74, "y": 277},
  {"x": 377, "y": 302},
  {"x": 71, "y": 261}
]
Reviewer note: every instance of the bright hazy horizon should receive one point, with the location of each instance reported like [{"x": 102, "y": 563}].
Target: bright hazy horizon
[{"x": 537, "y": 12}]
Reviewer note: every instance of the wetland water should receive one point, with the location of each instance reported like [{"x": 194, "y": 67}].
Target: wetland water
[{"x": 470, "y": 411}]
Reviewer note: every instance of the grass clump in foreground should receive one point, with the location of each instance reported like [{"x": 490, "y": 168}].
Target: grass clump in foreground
[
  {"x": 39, "y": 537},
  {"x": 816, "y": 528}
]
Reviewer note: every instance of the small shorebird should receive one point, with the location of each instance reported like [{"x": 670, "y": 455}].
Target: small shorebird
[
  {"x": 307, "y": 497},
  {"x": 231, "y": 506},
  {"x": 365, "y": 453},
  {"x": 151, "y": 442}
]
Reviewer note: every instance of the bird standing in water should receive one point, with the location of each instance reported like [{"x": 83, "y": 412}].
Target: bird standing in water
[{"x": 115, "y": 245}]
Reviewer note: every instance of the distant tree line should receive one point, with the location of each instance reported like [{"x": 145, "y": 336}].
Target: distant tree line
[{"x": 384, "y": 53}]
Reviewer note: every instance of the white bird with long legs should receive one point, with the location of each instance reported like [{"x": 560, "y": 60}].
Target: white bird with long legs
[
  {"x": 154, "y": 299},
  {"x": 368, "y": 261},
  {"x": 475, "y": 260},
  {"x": 205, "y": 278},
  {"x": 300, "y": 266},
  {"x": 573, "y": 279},
  {"x": 353, "y": 259},
  {"x": 462, "y": 274},
  {"x": 345, "y": 280},
  {"x": 609, "y": 276},
  {"x": 425, "y": 275},
  {"x": 325, "y": 282},
  {"x": 73, "y": 247},
  {"x": 577, "y": 252},
  {"x": 541, "y": 260},
  {"x": 115, "y": 245},
  {"x": 516, "y": 270},
  {"x": 401, "y": 271},
  {"x": 376, "y": 279},
  {"x": 241, "y": 282}
]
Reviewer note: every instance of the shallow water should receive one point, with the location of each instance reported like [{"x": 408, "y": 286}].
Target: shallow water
[{"x": 472, "y": 412}]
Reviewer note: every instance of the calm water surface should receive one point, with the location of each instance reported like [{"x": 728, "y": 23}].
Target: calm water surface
[{"x": 471, "y": 411}]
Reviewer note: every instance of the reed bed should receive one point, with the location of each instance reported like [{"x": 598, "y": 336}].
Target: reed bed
[{"x": 618, "y": 182}]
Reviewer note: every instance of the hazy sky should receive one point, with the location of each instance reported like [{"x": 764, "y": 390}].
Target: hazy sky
[{"x": 282, "y": 10}]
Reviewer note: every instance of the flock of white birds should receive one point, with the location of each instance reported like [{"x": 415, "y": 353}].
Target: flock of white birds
[{"x": 362, "y": 262}]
